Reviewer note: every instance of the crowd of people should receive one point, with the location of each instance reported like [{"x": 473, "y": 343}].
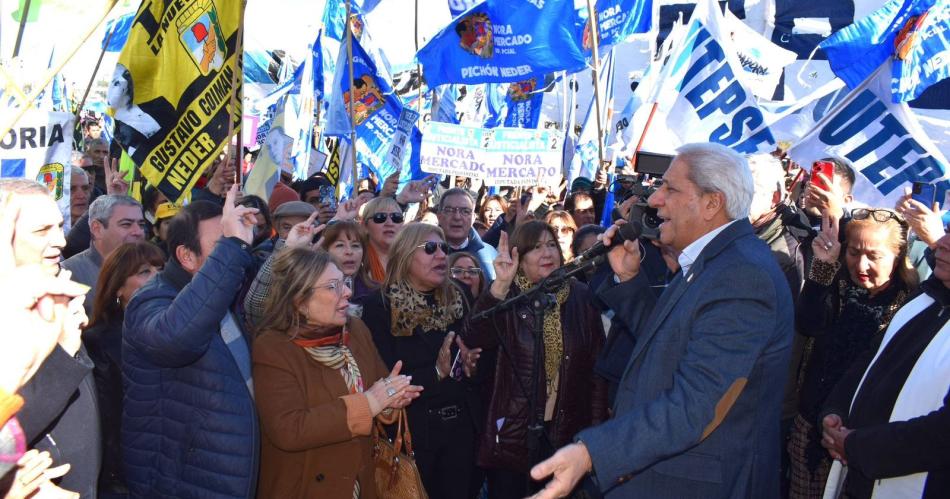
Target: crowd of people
[{"x": 775, "y": 337}]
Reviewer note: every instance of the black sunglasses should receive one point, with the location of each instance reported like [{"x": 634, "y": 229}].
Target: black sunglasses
[
  {"x": 380, "y": 218},
  {"x": 879, "y": 215},
  {"x": 430, "y": 246}
]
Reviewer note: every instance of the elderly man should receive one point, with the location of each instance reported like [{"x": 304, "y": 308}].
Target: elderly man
[
  {"x": 456, "y": 212},
  {"x": 113, "y": 220},
  {"x": 289, "y": 214},
  {"x": 80, "y": 190},
  {"x": 697, "y": 411},
  {"x": 59, "y": 414}
]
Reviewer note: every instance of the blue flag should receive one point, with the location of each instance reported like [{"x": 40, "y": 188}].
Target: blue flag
[
  {"x": 859, "y": 49},
  {"x": 376, "y": 108},
  {"x": 586, "y": 160},
  {"x": 119, "y": 29},
  {"x": 457, "y": 7},
  {"x": 307, "y": 87},
  {"x": 500, "y": 41},
  {"x": 523, "y": 102},
  {"x": 606, "y": 218},
  {"x": 922, "y": 54},
  {"x": 616, "y": 20},
  {"x": 334, "y": 15}
]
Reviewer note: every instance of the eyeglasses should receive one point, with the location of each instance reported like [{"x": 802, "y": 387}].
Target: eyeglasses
[
  {"x": 879, "y": 215},
  {"x": 563, "y": 230},
  {"x": 335, "y": 285},
  {"x": 430, "y": 246},
  {"x": 451, "y": 210},
  {"x": 396, "y": 217},
  {"x": 458, "y": 272}
]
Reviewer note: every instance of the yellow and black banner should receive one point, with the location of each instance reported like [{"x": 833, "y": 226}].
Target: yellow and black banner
[
  {"x": 332, "y": 170},
  {"x": 171, "y": 90}
]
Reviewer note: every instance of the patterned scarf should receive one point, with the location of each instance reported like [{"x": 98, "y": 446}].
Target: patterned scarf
[
  {"x": 334, "y": 352},
  {"x": 553, "y": 334},
  {"x": 412, "y": 309}
]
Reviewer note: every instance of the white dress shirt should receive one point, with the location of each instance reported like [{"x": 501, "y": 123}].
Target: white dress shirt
[{"x": 691, "y": 252}]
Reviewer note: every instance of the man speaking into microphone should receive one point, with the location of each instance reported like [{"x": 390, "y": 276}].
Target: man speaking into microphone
[{"x": 697, "y": 409}]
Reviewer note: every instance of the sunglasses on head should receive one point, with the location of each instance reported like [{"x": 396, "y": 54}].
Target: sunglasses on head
[
  {"x": 430, "y": 246},
  {"x": 380, "y": 218},
  {"x": 879, "y": 215}
]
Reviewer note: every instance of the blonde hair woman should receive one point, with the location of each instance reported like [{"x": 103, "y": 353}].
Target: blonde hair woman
[
  {"x": 383, "y": 220},
  {"x": 418, "y": 317},
  {"x": 319, "y": 383}
]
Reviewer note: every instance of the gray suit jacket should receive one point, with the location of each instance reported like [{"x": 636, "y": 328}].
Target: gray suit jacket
[{"x": 698, "y": 408}]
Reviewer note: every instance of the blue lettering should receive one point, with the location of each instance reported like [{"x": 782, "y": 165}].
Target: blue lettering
[
  {"x": 891, "y": 128},
  {"x": 726, "y": 102},
  {"x": 838, "y": 131},
  {"x": 713, "y": 54},
  {"x": 750, "y": 114},
  {"x": 924, "y": 169}
]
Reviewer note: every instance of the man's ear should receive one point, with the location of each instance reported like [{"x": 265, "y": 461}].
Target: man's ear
[
  {"x": 96, "y": 228},
  {"x": 713, "y": 202},
  {"x": 187, "y": 259}
]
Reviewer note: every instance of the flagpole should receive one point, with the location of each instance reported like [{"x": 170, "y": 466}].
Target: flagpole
[
  {"x": 418, "y": 66},
  {"x": 349, "y": 57},
  {"x": 237, "y": 99},
  {"x": 95, "y": 70},
  {"x": 37, "y": 90},
  {"x": 595, "y": 39},
  {"x": 19, "y": 34}
]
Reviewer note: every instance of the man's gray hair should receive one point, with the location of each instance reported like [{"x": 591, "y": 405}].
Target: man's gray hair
[
  {"x": 716, "y": 168},
  {"x": 101, "y": 209},
  {"x": 22, "y": 187},
  {"x": 455, "y": 191},
  {"x": 78, "y": 171}
]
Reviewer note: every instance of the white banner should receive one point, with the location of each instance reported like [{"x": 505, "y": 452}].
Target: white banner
[
  {"x": 499, "y": 156},
  {"x": 762, "y": 60},
  {"x": 39, "y": 147},
  {"x": 702, "y": 96},
  {"x": 882, "y": 139}
]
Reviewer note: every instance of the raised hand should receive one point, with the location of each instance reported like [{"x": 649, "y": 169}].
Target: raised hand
[
  {"x": 236, "y": 220},
  {"x": 825, "y": 245},
  {"x": 347, "y": 210},
  {"x": 506, "y": 267},
  {"x": 415, "y": 191},
  {"x": 115, "y": 180},
  {"x": 825, "y": 200},
  {"x": 924, "y": 220},
  {"x": 390, "y": 185},
  {"x": 301, "y": 235}
]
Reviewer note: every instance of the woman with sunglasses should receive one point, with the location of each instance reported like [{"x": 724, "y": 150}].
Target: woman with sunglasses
[
  {"x": 418, "y": 317},
  {"x": 464, "y": 267},
  {"x": 346, "y": 242},
  {"x": 845, "y": 307},
  {"x": 382, "y": 219},
  {"x": 563, "y": 224},
  {"x": 319, "y": 383},
  {"x": 570, "y": 395}
]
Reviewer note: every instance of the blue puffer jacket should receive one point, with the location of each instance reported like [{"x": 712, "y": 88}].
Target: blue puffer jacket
[{"x": 189, "y": 427}]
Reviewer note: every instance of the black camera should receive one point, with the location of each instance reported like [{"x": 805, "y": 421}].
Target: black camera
[{"x": 648, "y": 217}]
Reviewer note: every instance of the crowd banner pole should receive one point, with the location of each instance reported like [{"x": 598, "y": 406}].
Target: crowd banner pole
[
  {"x": 11, "y": 84},
  {"x": 418, "y": 66},
  {"x": 349, "y": 107},
  {"x": 595, "y": 72},
  {"x": 643, "y": 135},
  {"x": 237, "y": 99},
  {"x": 92, "y": 77},
  {"x": 8, "y": 124},
  {"x": 24, "y": 14}
]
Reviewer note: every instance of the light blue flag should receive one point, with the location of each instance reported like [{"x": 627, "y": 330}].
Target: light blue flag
[
  {"x": 858, "y": 50},
  {"x": 500, "y": 41},
  {"x": 586, "y": 160},
  {"x": 301, "y": 109},
  {"x": 923, "y": 57},
  {"x": 616, "y": 20},
  {"x": 119, "y": 29},
  {"x": 334, "y": 14},
  {"x": 523, "y": 101}
]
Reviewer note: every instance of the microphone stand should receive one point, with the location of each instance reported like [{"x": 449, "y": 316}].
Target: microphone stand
[{"x": 540, "y": 300}]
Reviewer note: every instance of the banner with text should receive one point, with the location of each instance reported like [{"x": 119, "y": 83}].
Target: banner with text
[
  {"x": 499, "y": 156},
  {"x": 170, "y": 92},
  {"x": 883, "y": 141},
  {"x": 40, "y": 148}
]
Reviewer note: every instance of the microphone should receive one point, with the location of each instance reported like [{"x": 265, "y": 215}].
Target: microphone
[{"x": 629, "y": 231}]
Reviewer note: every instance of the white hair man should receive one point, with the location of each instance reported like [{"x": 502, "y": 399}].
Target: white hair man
[{"x": 696, "y": 409}]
